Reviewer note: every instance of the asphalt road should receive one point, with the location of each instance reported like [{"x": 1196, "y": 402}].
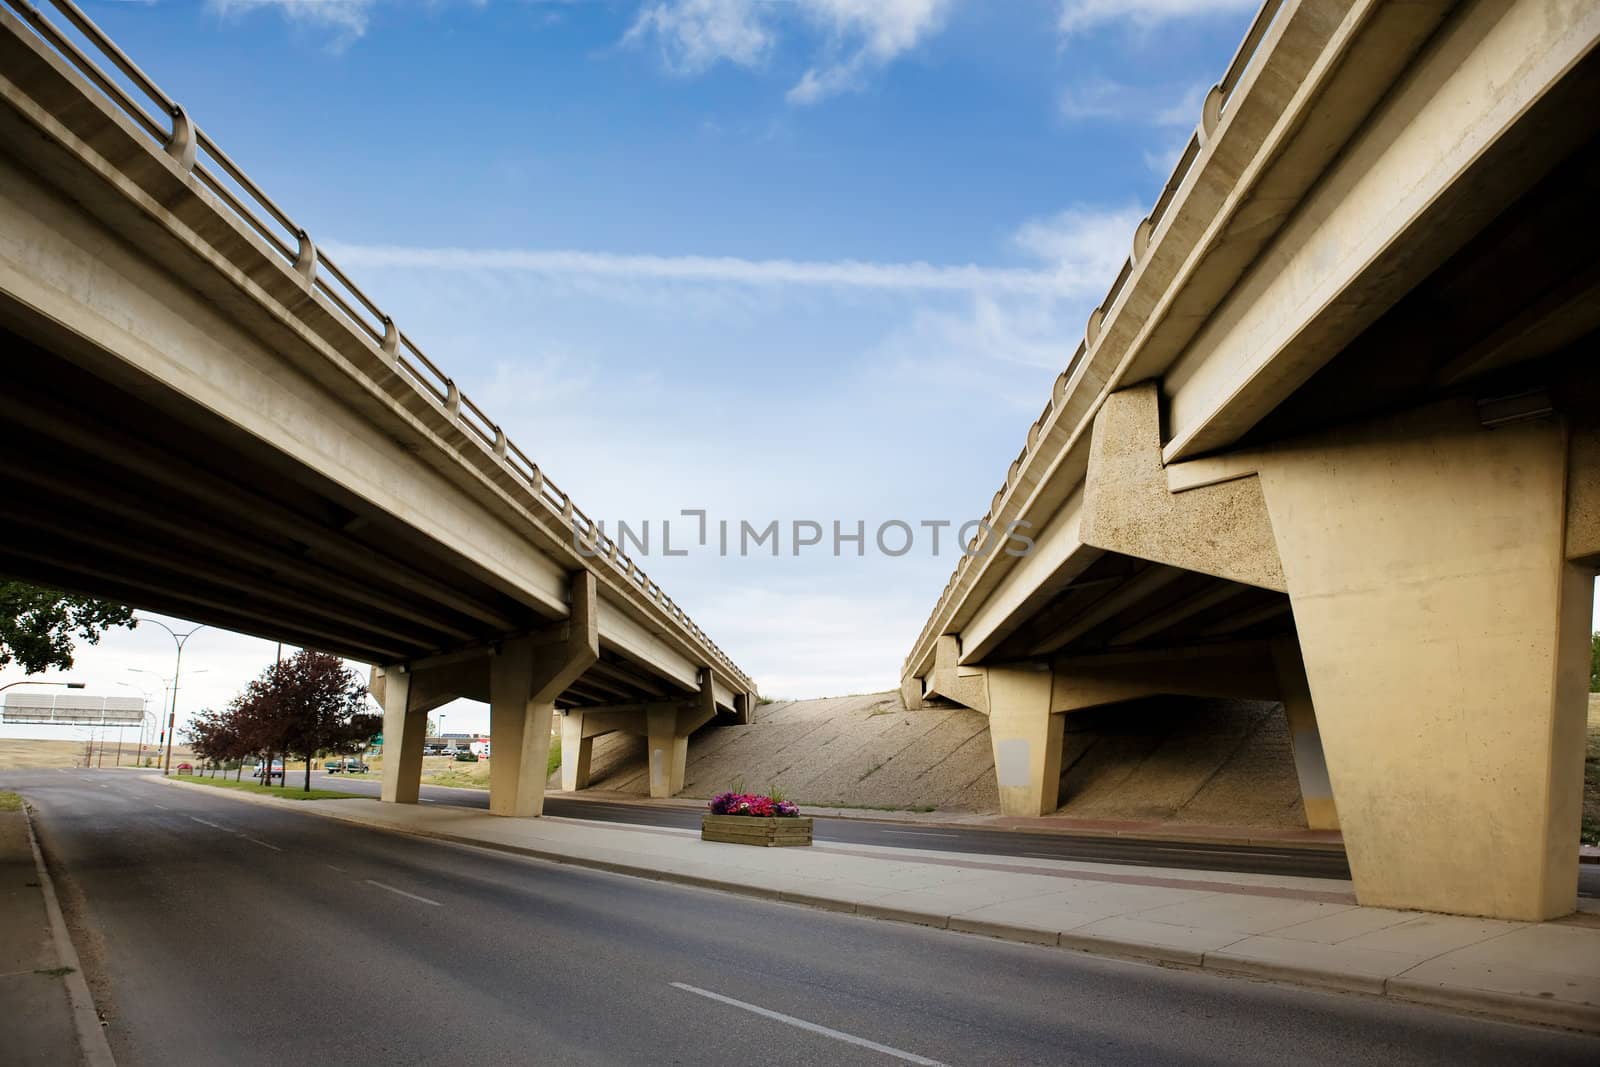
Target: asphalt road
[
  {"x": 1304, "y": 863},
  {"x": 216, "y": 930}
]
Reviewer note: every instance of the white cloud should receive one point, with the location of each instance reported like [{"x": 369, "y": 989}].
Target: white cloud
[
  {"x": 1100, "y": 99},
  {"x": 864, "y": 35},
  {"x": 1067, "y": 274},
  {"x": 1079, "y": 15},
  {"x": 694, "y": 35},
  {"x": 859, "y": 36},
  {"x": 346, "y": 20},
  {"x": 1081, "y": 242}
]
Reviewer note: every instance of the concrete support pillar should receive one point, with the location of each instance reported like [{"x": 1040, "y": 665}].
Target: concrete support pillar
[
  {"x": 911, "y": 693},
  {"x": 669, "y": 751},
  {"x": 1444, "y": 636},
  {"x": 576, "y": 752},
  {"x": 524, "y": 680},
  {"x": 519, "y": 725},
  {"x": 1027, "y": 739},
  {"x": 403, "y": 731},
  {"x": 1316, "y": 792}
]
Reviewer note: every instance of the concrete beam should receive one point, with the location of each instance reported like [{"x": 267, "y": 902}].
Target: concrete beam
[
  {"x": 954, "y": 682},
  {"x": 1240, "y": 671},
  {"x": 1220, "y": 529},
  {"x": 1435, "y": 161}
]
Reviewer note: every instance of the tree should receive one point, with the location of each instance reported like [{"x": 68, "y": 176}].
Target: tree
[
  {"x": 1594, "y": 664},
  {"x": 38, "y": 625},
  {"x": 307, "y": 705},
  {"x": 215, "y": 736}
]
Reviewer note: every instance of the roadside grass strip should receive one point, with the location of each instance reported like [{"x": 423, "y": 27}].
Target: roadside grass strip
[
  {"x": 282, "y": 792},
  {"x": 10, "y": 801}
]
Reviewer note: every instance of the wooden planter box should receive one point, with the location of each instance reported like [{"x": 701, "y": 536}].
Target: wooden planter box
[{"x": 754, "y": 830}]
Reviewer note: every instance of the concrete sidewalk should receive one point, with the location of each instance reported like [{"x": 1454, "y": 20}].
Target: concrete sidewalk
[
  {"x": 1301, "y": 930},
  {"x": 1141, "y": 829},
  {"x": 46, "y": 1016}
]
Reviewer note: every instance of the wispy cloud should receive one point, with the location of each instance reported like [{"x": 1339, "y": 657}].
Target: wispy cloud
[
  {"x": 1082, "y": 242},
  {"x": 695, "y": 35},
  {"x": 1069, "y": 273},
  {"x": 1079, "y": 15},
  {"x": 344, "y": 20},
  {"x": 858, "y": 36},
  {"x": 1103, "y": 100},
  {"x": 863, "y": 36}
]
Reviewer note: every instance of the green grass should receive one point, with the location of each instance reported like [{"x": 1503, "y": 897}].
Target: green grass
[
  {"x": 293, "y": 792},
  {"x": 55, "y": 972},
  {"x": 10, "y": 801},
  {"x": 460, "y": 776}
]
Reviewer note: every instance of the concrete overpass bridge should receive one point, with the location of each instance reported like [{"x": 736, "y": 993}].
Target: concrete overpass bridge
[
  {"x": 1333, "y": 438},
  {"x": 203, "y": 415}
]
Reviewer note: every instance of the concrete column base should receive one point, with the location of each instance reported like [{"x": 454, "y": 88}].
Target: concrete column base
[
  {"x": 1447, "y": 659},
  {"x": 1027, "y": 740},
  {"x": 669, "y": 752},
  {"x": 403, "y": 731}
]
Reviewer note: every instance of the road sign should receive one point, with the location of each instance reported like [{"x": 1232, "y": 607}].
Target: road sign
[{"x": 71, "y": 709}]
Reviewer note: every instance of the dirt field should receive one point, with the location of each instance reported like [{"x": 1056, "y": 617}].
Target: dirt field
[{"x": 18, "y": 752}]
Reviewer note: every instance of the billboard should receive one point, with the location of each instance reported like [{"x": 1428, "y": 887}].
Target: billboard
[{"x": 70, "y": 709}]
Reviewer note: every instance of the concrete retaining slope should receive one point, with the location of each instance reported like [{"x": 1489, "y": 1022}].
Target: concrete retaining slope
[{"x": 1225, "y": 762}]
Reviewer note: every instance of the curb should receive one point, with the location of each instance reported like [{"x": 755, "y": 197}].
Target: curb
[
  {"x": 93, "y": 1047},
  {"x": 1507, "y": 1006}
]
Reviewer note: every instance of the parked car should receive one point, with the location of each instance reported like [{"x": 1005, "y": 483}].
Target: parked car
[
  {"x": 355, "y": 766},
  {"x": 185, "y": 768},
  {"x": 277, "y": 770}
]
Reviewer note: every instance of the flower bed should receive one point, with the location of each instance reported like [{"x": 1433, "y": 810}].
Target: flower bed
[
  {"x": 753, "y": 819},
  {"x": 755, "y": 804}
]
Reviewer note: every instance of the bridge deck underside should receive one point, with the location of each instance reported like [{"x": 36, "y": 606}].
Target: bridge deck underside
[{"x": 165, "y": 506}]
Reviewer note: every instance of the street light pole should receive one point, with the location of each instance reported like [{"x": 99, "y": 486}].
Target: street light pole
[
  {"x": 30, "y": 681},
  {"x": 172, "y": 714}
]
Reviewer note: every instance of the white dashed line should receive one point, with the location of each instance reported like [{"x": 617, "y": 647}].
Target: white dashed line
[
  {"x": 213, "y": 825},
  {"x": 163, "y": 807},
  {"x": 403, "y": 893},
  {"x": 837, "y": 1035},
  {"x": 920, "y": 833},
  {"x": 263, "y": 844}
]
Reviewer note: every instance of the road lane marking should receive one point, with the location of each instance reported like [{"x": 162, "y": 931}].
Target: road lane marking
[
  {"x": 403, "y": 893},
  {"x": 920, "y": 833},
  {"x": 213, "y": 825},
  {"x": 332, "y": 867},
  {"x": 163, "y": 807},
  {"x": 837, "y": 1035},
  {"x": 263, "y": 844},
  {"x": 425, "y": 800}
]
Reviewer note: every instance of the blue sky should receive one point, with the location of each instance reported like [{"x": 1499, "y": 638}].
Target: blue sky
[{"x": 795, "y": 259}]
